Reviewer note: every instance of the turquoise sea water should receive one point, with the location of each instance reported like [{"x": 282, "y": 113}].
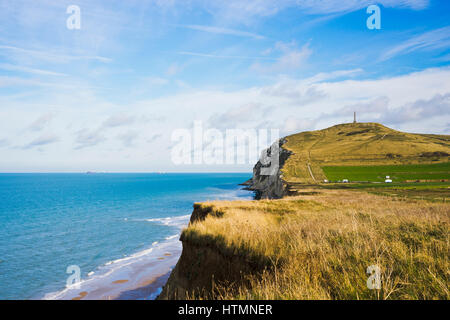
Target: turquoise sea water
[{"x": 51, "y": 221}]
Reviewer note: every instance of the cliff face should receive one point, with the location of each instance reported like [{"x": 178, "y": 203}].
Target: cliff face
[
  {"x": 199, "y": 269},
  {"x": 201, "y": 266},
  {"x": 267, "y": 180}
]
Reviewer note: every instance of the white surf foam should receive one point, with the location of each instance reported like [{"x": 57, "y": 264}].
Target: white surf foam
[{"x": 114, "y": 269}]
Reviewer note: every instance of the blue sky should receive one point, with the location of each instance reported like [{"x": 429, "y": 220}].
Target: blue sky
[{"x": 108, "y": 96}]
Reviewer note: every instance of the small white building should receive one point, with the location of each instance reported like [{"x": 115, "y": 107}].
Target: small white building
[
  {"x": 345, "y": 180},
  {"x": 388, "y": 179}
]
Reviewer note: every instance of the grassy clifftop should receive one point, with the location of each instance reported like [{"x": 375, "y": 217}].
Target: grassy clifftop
[
  {"x": 319, "y": 243},
  {"x": 317, "y": 246},
  {"x": 358, "y": 144}
]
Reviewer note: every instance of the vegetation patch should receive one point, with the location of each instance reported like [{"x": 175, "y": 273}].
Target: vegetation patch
[
  {"x": 399, "y": 173},
  {"x": 352, "y": 133},
  {"x": 322, "y": 246}
]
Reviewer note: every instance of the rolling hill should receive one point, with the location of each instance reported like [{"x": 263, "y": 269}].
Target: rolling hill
[{"x": 365, "y": 152}]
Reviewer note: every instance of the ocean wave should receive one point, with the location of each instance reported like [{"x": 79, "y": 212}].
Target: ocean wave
[
  {"x": 176, "y": 221},
  {"x": 114, "y": 269},
  {"x": 217, "y": 193}
]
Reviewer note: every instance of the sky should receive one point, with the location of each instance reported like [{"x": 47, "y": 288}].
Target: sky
[{"x": 109, "y": 95}]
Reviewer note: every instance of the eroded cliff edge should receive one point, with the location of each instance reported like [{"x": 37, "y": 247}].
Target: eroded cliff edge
[
  {"x": 204, "y": 263},
  {"x": 269, "y": 184}
]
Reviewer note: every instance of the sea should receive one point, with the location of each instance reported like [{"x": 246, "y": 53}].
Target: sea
[{"x": 98, "y": 235}]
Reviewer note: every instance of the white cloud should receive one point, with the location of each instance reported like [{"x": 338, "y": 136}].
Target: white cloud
[
  {"x": 296, "y": 92},
  {"x": 419, "y": 110},
  {"x": 88, "y": 138},
  {"x": 247, "y": 11},
  {"x": 381, "y": 110},
  {"x": 322, "y": 76},
  {"x": 225, "y": 31},
  {"x": 415, "y": 102},
  {"x": 237, "y": 116},
  {"x": 4, "y": 143},
  {"x": 330, "y": 7},
  {"x": 154, "y": 137},
  {"x": 155, "y": 81},
  {"x": 293, "y": 125},
  {"x": 41, "y": 141},
  {"x": 173, "y": 69},
  {"x": 435, "y": 39},
  {"x": 10, "y": 67},
  {"x": 128, "y": 138},
  {"x": 40, "y": 123},
  {"x": 290, "y": 60},
  {"x": 221, "y": 56},
  {"x": 118, "y": 120},
  {"x": 51, "y": 56}
]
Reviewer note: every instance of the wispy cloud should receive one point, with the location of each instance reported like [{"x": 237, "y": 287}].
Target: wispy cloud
[
  {"x": 332, "y": 7},
  {"x": 118, "y": 120},
  {"x": 322, "y": 76},
  {"x": 419, "y": 110},
  {"x": 4, "y": 143},
  {"x": 246, "y": 11},
  {"x": 235, "y": 116},
  {"x": 41, "y": 141},
  {"x": 128, "y": 138},
  {"x": 291, "y": 59},
  {"x": 219, "y": 56},
  {"x": 11, "y": 67},
  {"x": 41, "y": 122},
  {"x": 6, "y": 81},
  {"x": 51, "y": 56},
  {"x": 173, "y": 69},
  {"x": 379, "y": 109},
  {"x": 86, "y": 138},
  {"x": 154, "y": 137},
  {"x": 435, "y": 39},
  {"x": 220, "y": 30}
]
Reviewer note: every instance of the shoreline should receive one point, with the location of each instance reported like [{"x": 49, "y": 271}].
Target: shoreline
[
  {"x": 149, "y": 291},
  {"x": 138, "y": 277}
]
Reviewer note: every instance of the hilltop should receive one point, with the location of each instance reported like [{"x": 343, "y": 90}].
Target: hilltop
[{"x": 312, "y": 157}]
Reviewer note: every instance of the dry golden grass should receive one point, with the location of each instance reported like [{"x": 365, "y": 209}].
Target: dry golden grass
[{"x": 319, "y": 247}]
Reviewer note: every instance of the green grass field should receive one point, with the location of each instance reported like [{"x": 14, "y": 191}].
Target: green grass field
[{"x": 398, "y": 173}]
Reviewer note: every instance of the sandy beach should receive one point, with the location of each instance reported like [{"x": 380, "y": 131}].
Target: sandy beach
[{"x": 138, "y": 277}]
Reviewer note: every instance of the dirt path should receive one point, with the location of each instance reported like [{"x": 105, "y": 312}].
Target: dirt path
[
  {"x": 309, "y": 158},
  {"x": 310, "y": 172}
]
